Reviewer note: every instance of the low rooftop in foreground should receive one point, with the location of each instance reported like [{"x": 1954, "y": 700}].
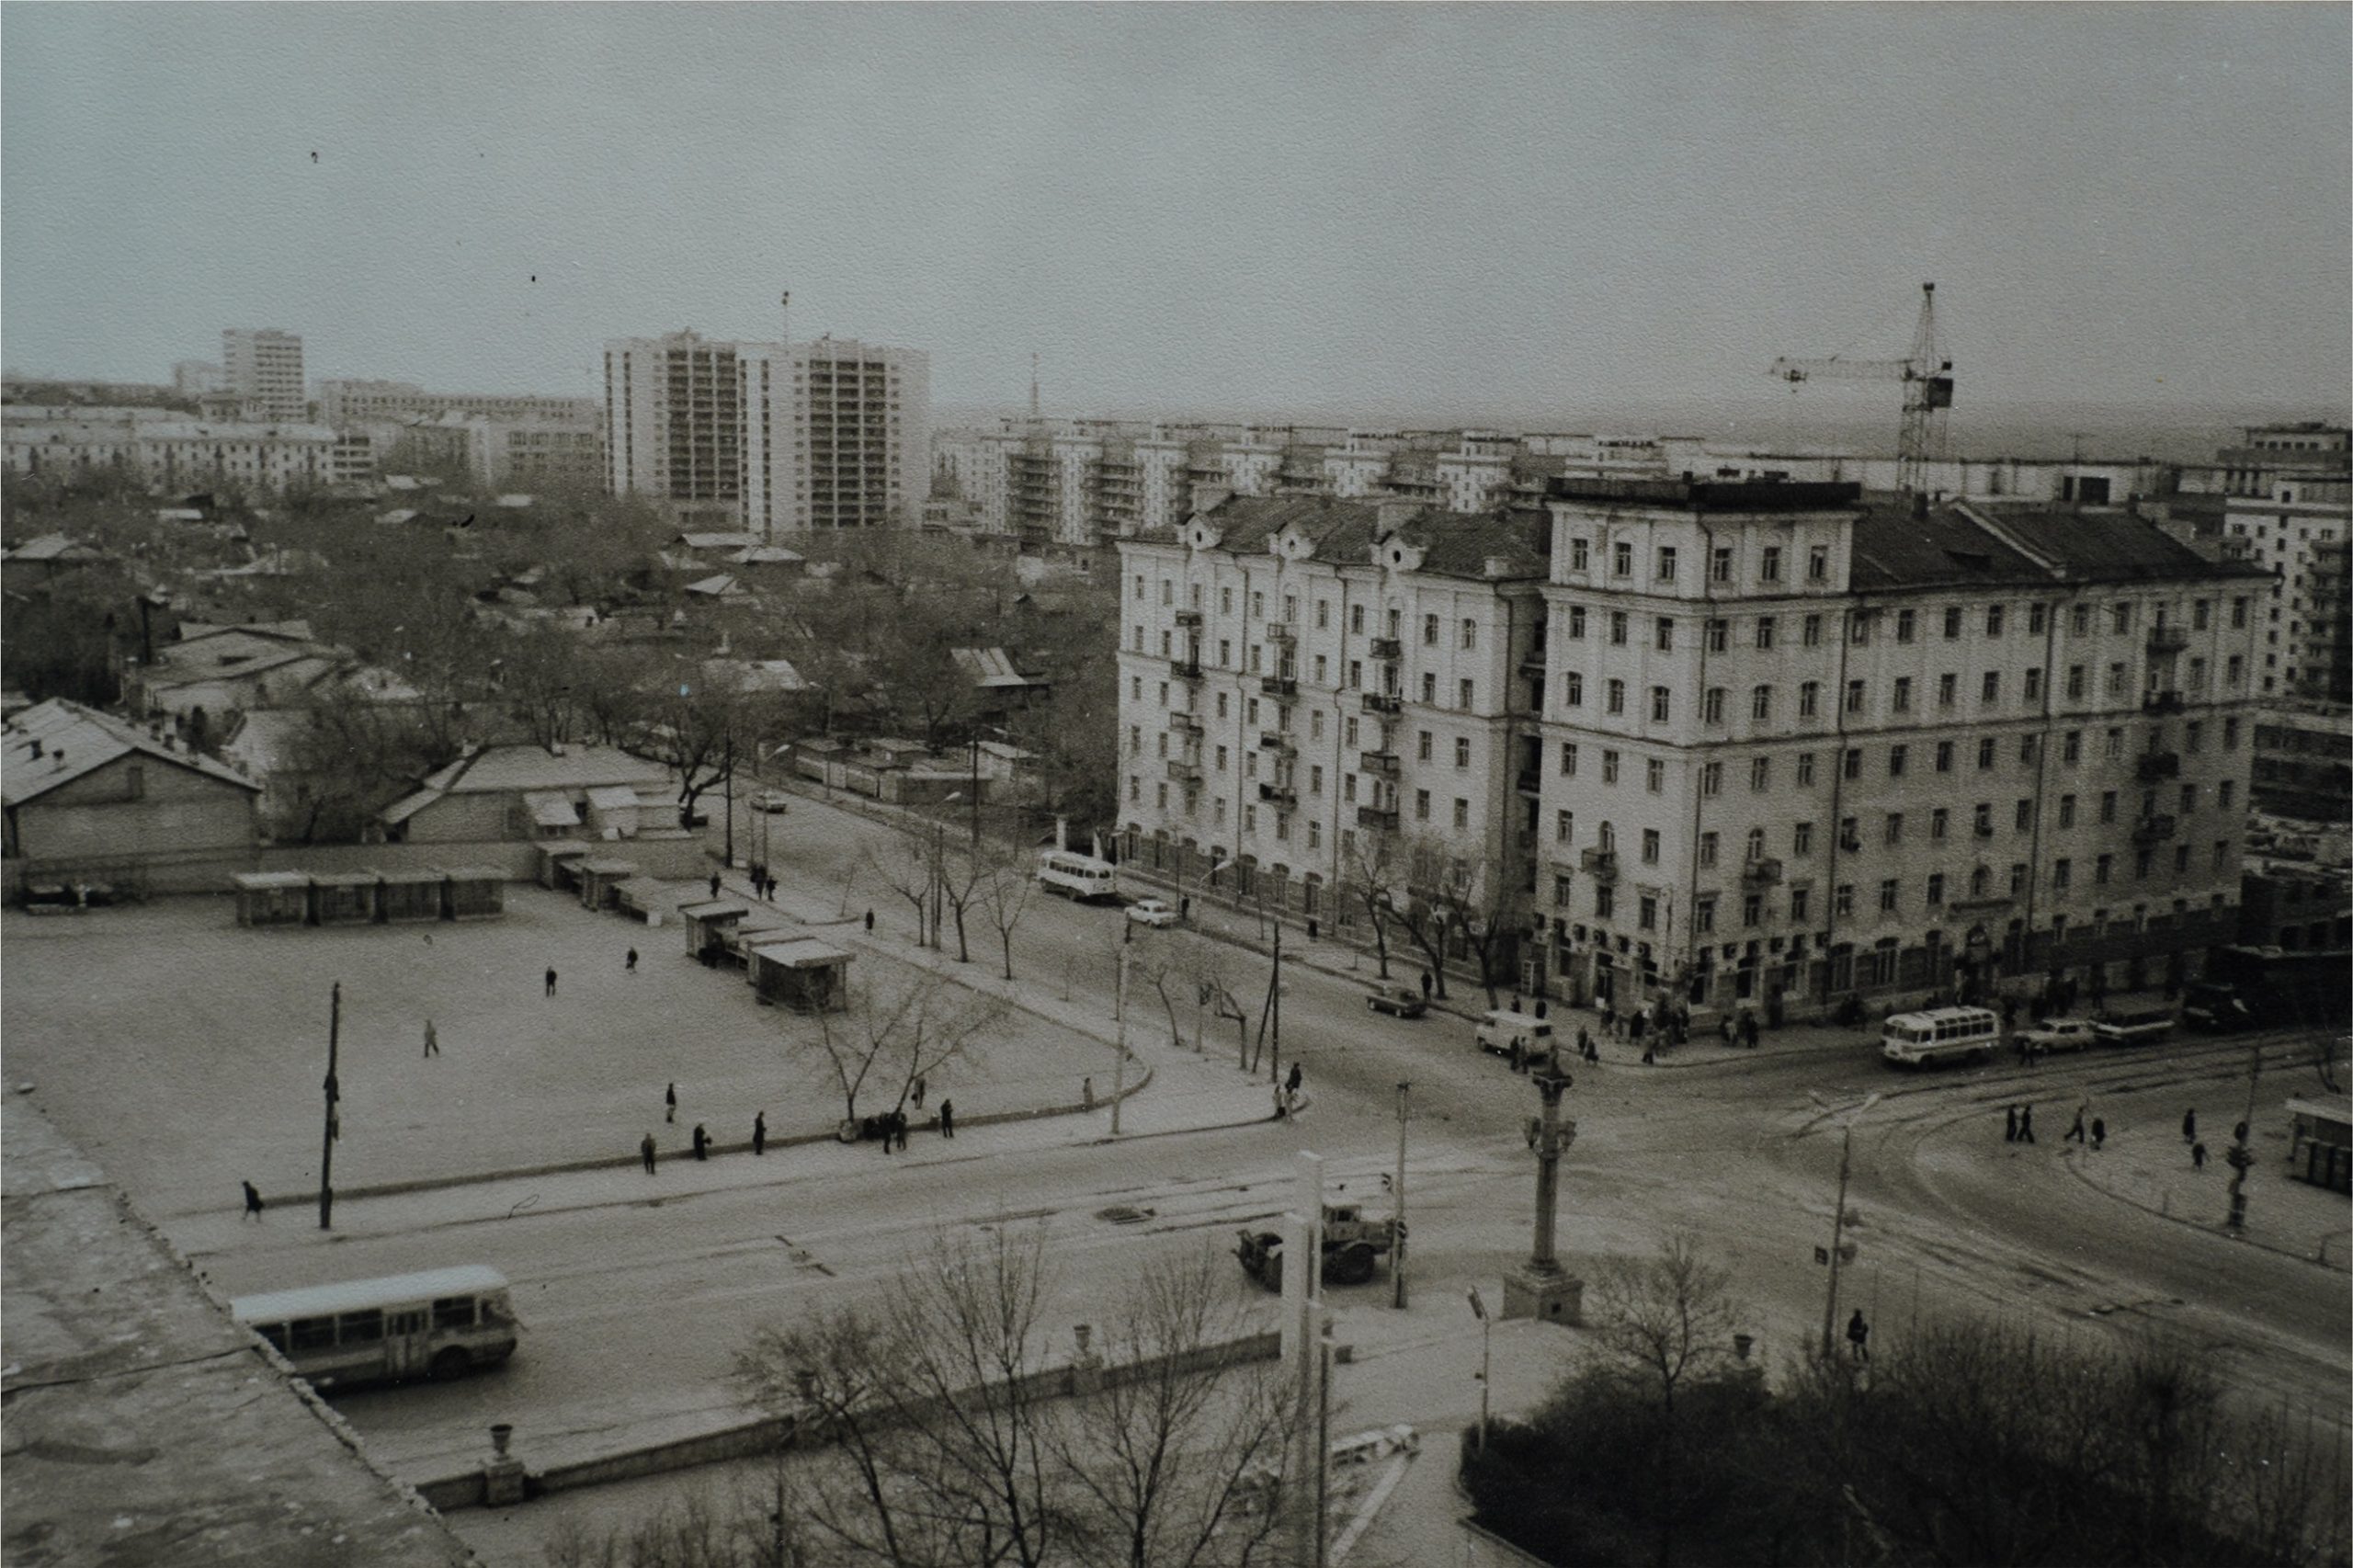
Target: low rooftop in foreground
[{"x": 143, "y": 1426}]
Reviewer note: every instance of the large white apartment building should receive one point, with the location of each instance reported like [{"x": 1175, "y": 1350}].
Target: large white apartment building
[
  {"x": 771, "y": 437},
  {"x": 263, "y": 366},
  {"x": 347, "y": 402},
  {"x": 170, "y": 448},
  {"x": 1721, "y": 738}
]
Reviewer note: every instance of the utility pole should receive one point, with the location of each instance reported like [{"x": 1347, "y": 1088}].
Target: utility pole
[
  {"x": 2240, "y": 1155},
  {"x": 334, "y": 1128},
  {"x": 1837, "y": 1233},
  {"x": 1120, "y": 1017},
  {"x": 1397, "y": 1237},
  {"x": 727, "y": 770},
  {"x": 976, "y": 790},
  {"x": 1275, "y": 989}
]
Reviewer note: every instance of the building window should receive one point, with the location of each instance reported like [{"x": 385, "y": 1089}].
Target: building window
[
  {"x": 1703, "y": 913},
  {"x": 1617, "y": 694},
  {"x": 1842, "y": 900},
  {"x": 1850, "y": 763},
  {"x": 1421, "y": 805},
  {"x": 1854, "y": 696},
  {"x": 1805, "y": 770},
  {"x": 1568, "y": 759},
  {"x": 1984, "y": 753},
  {"x": 1817, "y": 563},
  {"x": 1760, "y": 703},
  {"x": 1800, "y": 901},
  {"x": 1765, "y": 631},
  {"x": 1887, "y": 896},
  {"x": 1720, "y": 565},
  {"x": 1650, "y": 847},
  {"x": 1896, "y": 756},
  {"x": 1461, "y": 751},
  {"x": 1993, "y": 620},
  {"x": 1461, "y": 813},
  {"x": 1717, "y": 635},
  {"x": 1711, "y": 705},
  {"x": 1422, "y": 746},
  {"x": 1564, "y": 826},
  {"x": 1647, "y": 912},
  {"x": 2034, "y": 685},
  {"x": 1992, "y": 690},
  {"x": 1576, "y": 621},
  {"x": 1665, "y": 634},
  {"x": 1936, "y": 889},
  {"x": 1655, "y": 775},
  {"x": 1939, "y": 822},
  {"x": 1666, "y": 563},
  {"x": 1760, "y": 773},
  {"x": 1953, "y": 624},
  {"x": 1802, "y": 839},
  {"x": 1712, "y": 778},
  {"x": 1809, "y": 631},
  {"x": 1470, "y": 632},
  {"x": 1903, "y": 619},
  {"x": 1769, "y": 565},
  {"x": 1706, "y": 850},
  {"x": 1430, "y": 689},
  {"x": 1609, "y": 765},
  {"x": 1618, "y": 628},
  {"x": 1580, "y": 555},
  {"x": 1902, "y": 698},
  {"x": 1662, "y": 705},
  {"x": 1622, "y": 559},
  {"x": 1573, "y": 689},
  {"x": 1808, "y": 698}
]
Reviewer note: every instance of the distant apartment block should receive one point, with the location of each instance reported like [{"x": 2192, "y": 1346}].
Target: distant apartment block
[
  {"x": 1717, "y": 739},
  {"x": 164, "y": 446},
  {"x": 563, "y": 448},
  {"x": 263, "y": 366},
  {"x": 771, "y": 437},
  {"x": 345, "y": 402}
]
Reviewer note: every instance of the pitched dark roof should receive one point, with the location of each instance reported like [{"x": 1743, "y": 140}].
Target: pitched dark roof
[
  {"x": 1964, "y": 545},
  {"x": 1893, "y": 549}
]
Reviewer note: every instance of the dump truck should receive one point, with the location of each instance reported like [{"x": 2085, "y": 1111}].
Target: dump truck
[{"x": 1352, "y": 1248}]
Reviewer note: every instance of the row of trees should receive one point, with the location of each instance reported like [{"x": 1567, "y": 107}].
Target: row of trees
[
  {"x": 1965, "y": 1442},
  {"x": 946, "y": 1440}
]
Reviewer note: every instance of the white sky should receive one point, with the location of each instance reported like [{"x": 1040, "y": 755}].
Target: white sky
[{"x": 1520, "y": 209}]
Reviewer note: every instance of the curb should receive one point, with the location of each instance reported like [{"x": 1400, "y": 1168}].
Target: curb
[{"x": 2078, "y": 1169}]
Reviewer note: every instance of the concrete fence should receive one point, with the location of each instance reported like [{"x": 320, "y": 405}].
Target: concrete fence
[{"x": 759, "y": 1434}]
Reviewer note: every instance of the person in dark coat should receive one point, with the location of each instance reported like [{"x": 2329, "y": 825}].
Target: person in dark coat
[
  {"x": 1858, "y": 1333},
  {"x": 2099, "y": 1132},
  {"x": 917, "y": 1095},
  {"x": 1748, "y": 1030},
  {"x": 253, "y": 1201},
  {"x": 2009, "y": 1124},
  {"x": 551, "y": 990},
  {"x": 1515, "y": 1055},
  {"x": 870, "y": 923},
  {"x": 2198, "y": 1156},
  {"x": 645, "y": 1151},
  {"x": 2190, "y": 1126},
  {"x": 714, "y": 884},
  {"x": 432, "y": 1040},
  {"x": 1585, "y": 1043},
  {"x": 670, "y": 1103},
  {"x": 1291, "y": 1082},
  {"x": 1634, "y": 1028},
  {"x": 702, "y": 1142},
  {"x": 631, "y": 963},
  {"x": 1592, "y": 1051},
  {"x": 759, "y": 1132},
  {"x": 2026, "y": 1124},
  {"x": 1425, "y": 985},
  {"x": 948, "y": 1118},
  {"x": 2076, "y": 1133}
]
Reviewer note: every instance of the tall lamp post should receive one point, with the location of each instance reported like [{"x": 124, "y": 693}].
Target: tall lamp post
[
  {"x": 1838, "y": 1223},
  {"x": 1486, "y": 1361},
  {"x": 334, "y": 1120},
  {"x": 2240, "y": 1156}
]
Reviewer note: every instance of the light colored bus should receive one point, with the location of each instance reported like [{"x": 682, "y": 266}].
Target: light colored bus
[
  {"x": 1081, "y": 877},
  {"x": 1941, "y": 1034},
  {"x": 438, "y": 1323}
]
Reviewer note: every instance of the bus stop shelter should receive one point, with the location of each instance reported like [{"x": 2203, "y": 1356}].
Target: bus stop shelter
[
  {"x": 600, "y": 880},
  {"x": 802, "y": 973},
  {"x": 343, "y": 898},
  {"x": 405, "y": 896},
  {"x": 273, "y": 898},
  {"x": 473, "y": 892},
  {"x": 558, "y": 861}
]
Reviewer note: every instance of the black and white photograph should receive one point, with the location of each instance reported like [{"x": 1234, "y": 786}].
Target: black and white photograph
[{"x": 1132, "y": 785}]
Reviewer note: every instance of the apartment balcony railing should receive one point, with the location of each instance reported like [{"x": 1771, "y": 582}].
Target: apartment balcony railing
[
  {"x": 1380, "y": 818},
  {"x": 1280, "y": 794},
  {"x": 1388, "y": 648},
  {"x": 1529, "y": 781},
  {"x": 1185, "y": 668},
  {"x": 1760, "y": 874},
  {"x": 2155, "y": 767},
  {"x": 1185, "y": 724},
  {"x": 2162, "y": 702},
  {"x": 1380, "y": 763},
  {"x": 1184, "y": 772},
  {"x": 2153, "y": 829},
  {"x": 1285, "y": 687},
  {"x": 1281, "y": 633},
  {"x": 2168, "y": 639},
  {"x": 1387, "y": 703},
  {"x": 1278, "y": 742},
  {"x": 1188, "y": 618},
  {"x": 1602, "y": 865},
  {"x": 1532, "y": 662}
]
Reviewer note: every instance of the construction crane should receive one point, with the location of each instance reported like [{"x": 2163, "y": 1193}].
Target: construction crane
[{"x": 1926, "y": 376}]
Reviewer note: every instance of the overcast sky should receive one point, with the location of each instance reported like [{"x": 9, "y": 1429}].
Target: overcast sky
[{"x": 1530, "y": 212}]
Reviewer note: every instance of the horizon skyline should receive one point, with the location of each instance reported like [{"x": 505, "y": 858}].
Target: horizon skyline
[{"x": 1143, "y": 197}]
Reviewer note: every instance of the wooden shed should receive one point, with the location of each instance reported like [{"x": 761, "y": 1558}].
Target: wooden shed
[
  {"x": 473, "y": 892},
  {"x": 755, "y": 931},
  {"x": 647, "y": 898},
  {"x": 802, "y": 973},
  {"x": 558, "y": 861},
  {"x": 600, "y": 881},
  {"x": 405, "y": 896},
  {"x": 273, "y": 898},
  {"x": 707, "y": 922},
  {"x": 343, "y": 898}
]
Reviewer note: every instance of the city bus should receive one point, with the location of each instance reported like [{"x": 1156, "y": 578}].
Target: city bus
[
  {"x": 1941, "y": 1034},
  {"x": 1081, "y": 877},
  {"x": 438, "y": 1323}
]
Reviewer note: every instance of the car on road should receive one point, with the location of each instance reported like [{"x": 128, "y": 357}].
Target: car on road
[
  {"x": 2134, "y": 1026},
  {"x": 1153, "y": 911},
  {"x": 771, "y": 802},
  {"x": 2058, "y": 1034},
  {"x": 1399, "y": 1000}
]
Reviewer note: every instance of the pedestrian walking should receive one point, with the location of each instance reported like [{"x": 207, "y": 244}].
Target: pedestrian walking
[
  {"x": 630, "y": 965},
  {"x": 551, "y": 990},
  {"x": 899, "y": 1121},
  {"x": 2099, "y": 1132},
  {"x": 1650, "y": 1057},
  {"x": 1585, "y": 1043},
  {"x": 253, "y": 1202},
  {"x": 948, "y": 1118},
  {"x": 870, "y": 923},
  {"x": 917, "y": 1094},
  {"x": 1291, "y": 1082},
  {"x": 2026, "y": 1124},
  {"x": 1634, "y": 1027},
  {"x": 2075, "y": 1133},
  {"x": 1540, "y": 1006},
  {"x": 1748, "y": 1030},
  {"x": 759, "y": 1132},
  {"x": 2198, "y": 1156},
  {"x": 1514, "y": 1001},
  {"x": 432, "y": 1040},
  {"x": 645, "y": 1151},
  {"x": 1592, "y": 1051},
  {"x": 702, "y": 1142},
  {"x": 1425, "y": 985},
  {"x": 670, "y": 1103},
  {"x": 2189, "y": 1125},
  {"x": 1858, "y": 1333},
  {"x": 2009, "y": 1124},
  {"x": 1515, "y": 1055},
  {"x": 1184, "y": 907},
  {"x": 714, "y": 884}
]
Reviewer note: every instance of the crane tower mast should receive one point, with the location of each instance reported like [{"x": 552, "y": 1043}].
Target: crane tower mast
[{"x": 1926, "y": 376}]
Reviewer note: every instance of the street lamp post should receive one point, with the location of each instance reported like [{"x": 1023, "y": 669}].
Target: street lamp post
[
  {"x": 1838, "y": 1225},
  {"x": 1486, "y": 1361},
  {"x": 1397, "y": 1240},
  {"x": 334, "y": 1127},
  {"x": 1119, "y": 1016},
  {"x": 2240, "y": 1155}
]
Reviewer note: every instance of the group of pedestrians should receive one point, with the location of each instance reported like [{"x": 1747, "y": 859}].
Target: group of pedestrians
[
  {"x": 890, "y": 1128},
  {"x": 2018, "y": 1124}
]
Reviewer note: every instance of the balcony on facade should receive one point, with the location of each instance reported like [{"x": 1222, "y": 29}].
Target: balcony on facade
[
  {"x": 1188, "y": 618},
  {"x": 1381, "y": 819},
  {"x": 1530, "y": 781},
  {"x": 1184, "y": 772},
  {"x": 2162, "y": 702},
  {"x": 1278, "y": 742},
  {"x": 1532, "y": 662},
  {"x": 1388, "y": 648},
  {"x": 2168, "y": 639},
  {"x": 1384, "y": 702},
  {"x": 1760, "y": 874},
  {"x": 1186, "y": 667},
  {"x": 2153, "y": 829},
  {"x": 1284, "y": 795},
  {"x": 1280, "y": 634},
  {"x": 2156, "y": 766},
  {"x": 1185, "y": 724},
  {"x": 1602, "y": 865},
  {"x": 1380, "y": 763},
  {"x": 1283, "y": 687}
]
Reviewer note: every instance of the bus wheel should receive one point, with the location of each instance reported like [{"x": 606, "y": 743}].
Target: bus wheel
[{"x": 451, "y": 1363}]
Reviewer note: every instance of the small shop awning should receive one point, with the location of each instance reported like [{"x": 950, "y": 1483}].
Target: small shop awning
[
  {"x": 549, "y": 808},
  {"x": 714, "y": 909},
  {"x": 261, "y": 881}
]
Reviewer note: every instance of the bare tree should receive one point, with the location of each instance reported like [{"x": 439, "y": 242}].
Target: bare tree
[
  {"x": 1483, "y": 912},
  {"x": 1008, "y": 882},
  {"x": 891, "y": 1036},
  {"x": 963, "y": 880},
  {"x": 907, "y": 866},
  {"x": 1668, "y": 1320},
  {"x": 1369, "y": 871}
]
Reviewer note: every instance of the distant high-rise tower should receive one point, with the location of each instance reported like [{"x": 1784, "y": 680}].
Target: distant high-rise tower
[
  {"x": 263, "y": 367},
  {"x": 773, "y": 437}
]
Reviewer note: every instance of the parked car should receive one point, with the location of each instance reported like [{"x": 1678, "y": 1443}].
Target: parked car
[
  {"x": 2220, "y": 1008},
  {"x": 1399, "y": 1000},
  {"x": 2058, "y": 1034},
  {"x": 1499, "y": 1029},
  {"x": 2136, "y": 1026},
  {"x": 771, "y": 802},
  {"x": 1153, "y": 911}
]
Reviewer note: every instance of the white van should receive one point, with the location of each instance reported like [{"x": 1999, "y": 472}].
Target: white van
[
  {"x": 2135, "y": 1027},
  {"x": 1941, "y": 1034},
  {"x": 1499, "y": 1029}
]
